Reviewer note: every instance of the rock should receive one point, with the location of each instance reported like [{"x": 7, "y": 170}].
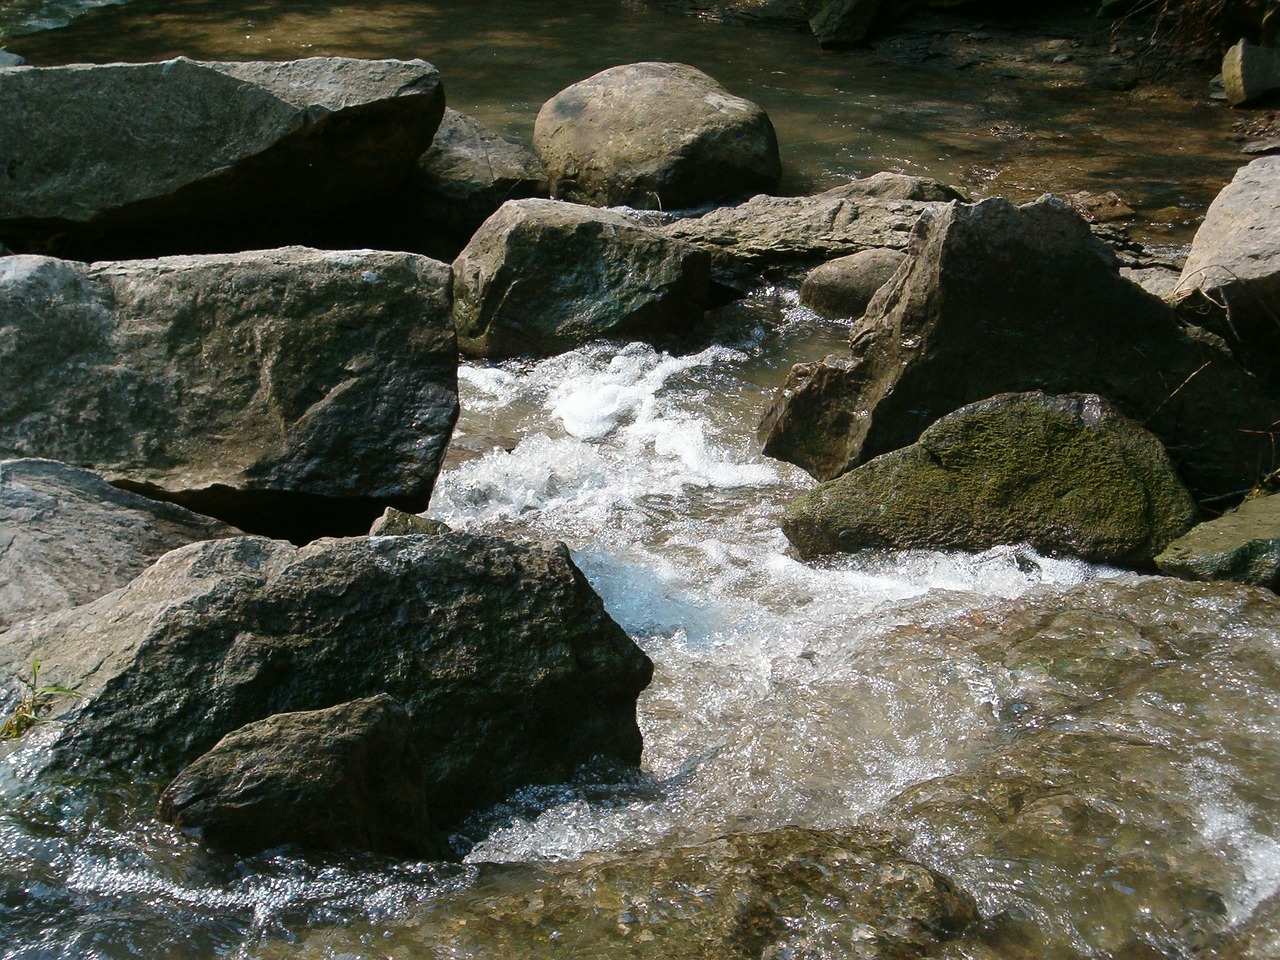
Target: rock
[
  {"x": 1158, "y": 281},
  {"x": 503, "y": 656},
  {"x": 1243, "y": 545},
  {"x": 397, "y": 523},
  {"x": 1235, "y": 262},
  {"x": 289, "y": 392},
  {"x": 542, "y": 276},
  {"x": 1005, "y": 299},
  {"x": 1099, "y": 207},
  {"x": 788, "y": 893},
  {"x": 768, "y": 13},
  {"x": 1067, "y": 475},
  {"x": 843, "y": 287},
  {"x": 896, "y": 186},
  {"x": 1250, "y": 72},
  {"x": 769, "y": 232},
  {"x": 468, "y": 173},
  {"x": 841, "y": 23},
  {"x": 68, "y": 537},
  {"x": 345, "y": 778},
  {"x": 8, "y": 59},
  {"x": 655, "y": 136},
  {"x": 129, "y": 160}
]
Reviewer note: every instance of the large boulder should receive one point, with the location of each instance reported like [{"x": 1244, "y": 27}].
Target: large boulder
[
  {"x": 347, "y": 777},
  {"x": 1243, "y": 545},
  {"x": 503, "y": 656},
  {"x": 655, "y": 136},
  {"x": 841, "y": 23},
  {"x": 128, "y": 160},
  {"x": 787, "y": 232},
  {"x": 68, "y": 537},
  {"x": 468, "y": 173},
  {"x": 290, "y": 392},
  {"x": 1005, "y": 299},
  {"x": 1235, "y": 262},
  {"x": 1067, "y": 475},
  {"x": 542, "y": 276}
]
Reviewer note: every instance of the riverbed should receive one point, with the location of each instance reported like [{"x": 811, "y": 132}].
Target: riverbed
[{"x": 779, "y": 699}]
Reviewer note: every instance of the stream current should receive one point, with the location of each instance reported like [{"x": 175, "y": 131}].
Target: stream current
[{"x": 783, "y": 692}]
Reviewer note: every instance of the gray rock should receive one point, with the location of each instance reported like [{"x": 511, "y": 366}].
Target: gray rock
[
  {"x": 1250, "y": 72},
  {"x": 503, "y": 656},
  {"x": 1067, "y": 475},
  {"x": 1005, "y": 299},
  {"x": 887, "y": 185},
  {"x": 468, "y": 173},
  {"x": 542, "y": 276},
  {"x": 1235, "y": 262},
  {"x": 843, "y": 287},
  {"x": 655, "y": 136},
  {"x": 128, "y": 160},
  {"x": 8, "y": 59},
  {"x": 68, "y": 537},
  {"x": 290, "y": 392},
  {"x": 397, "y": 523},
  {"x": 1243, "y": 545},
  {"x": 841, "y": 23},
  {"x": 1158, "y": 281},
  {"x": 344, "y": 778},
  {"x": 768, "y": 232}
]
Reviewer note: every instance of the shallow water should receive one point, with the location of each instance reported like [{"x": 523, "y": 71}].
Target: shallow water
[{"x": 785, "y": 693}]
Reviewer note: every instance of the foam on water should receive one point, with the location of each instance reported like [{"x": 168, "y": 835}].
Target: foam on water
[{"x": 763, "y": 710}]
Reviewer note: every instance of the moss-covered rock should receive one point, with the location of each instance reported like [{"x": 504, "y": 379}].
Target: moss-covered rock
[
  {"x": 1243, "y": 545},
  {"x": 1064, "y": 474}
]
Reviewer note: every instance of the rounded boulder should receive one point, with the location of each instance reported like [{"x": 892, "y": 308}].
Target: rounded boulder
[{"x": 655, "y": 136}]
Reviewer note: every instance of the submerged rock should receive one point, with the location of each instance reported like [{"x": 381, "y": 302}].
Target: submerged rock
[
  {"x": 1235, "y": 264},
  {"x": 789, "y": 893},
  {"x": 290, "y": 392},
  {"x": 68, "y": 537},
  {"x": 999, "y": 299},
  {"x": 345, "y": 778},
  {"x": 543, "y": 276},
  {"x": 655, "y": 136},
  {"x": 1067, "y": 475},
  {"x": 504, "y": 657},
  {"x": 468, "y": 173},
  {"x": 843, "y": 287},
  {"x": 1243, "y": 545},
  {"x": 127, "y": 160}
]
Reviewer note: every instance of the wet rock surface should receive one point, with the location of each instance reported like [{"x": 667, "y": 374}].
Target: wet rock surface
[
  {"x": 292, "y": 392},
  {"x": 843, "y": 287},
  {"x": 68, "y": 537},
  {"x": 128, "y": 160},
  {"x": 969, "y": 320},
  {"x": 345, "y": 778},
  {"x": 1066, "y": 474},
  {"x": 502, "y": 654},
  {"x": 655, "y": 136},
  {"x": 543, "y": 276},
  {"x": 1243, "y": 545}
]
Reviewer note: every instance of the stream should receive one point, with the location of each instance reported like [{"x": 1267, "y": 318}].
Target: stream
[{"x": 831, "y": 696}]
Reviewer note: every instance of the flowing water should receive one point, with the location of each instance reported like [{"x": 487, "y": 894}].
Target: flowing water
[{"x": 851, "y": 696}]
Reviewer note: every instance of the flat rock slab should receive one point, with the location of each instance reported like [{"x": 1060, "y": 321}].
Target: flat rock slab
[
  {"x": 1243, "y": 545},
  {"x": 543, "y": 276},
  {"x": 502, "y": 654},
  {"x": 68, "y": 537},
  {"x": 655, "y": 136},
  {"x": 290, "y": 392},
  {"x": 1067, "y": 475},
  {"x": 344, "y": 778},
  {"x": 128, "y": 160},
  {"x": 1005, "y": 299}
]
